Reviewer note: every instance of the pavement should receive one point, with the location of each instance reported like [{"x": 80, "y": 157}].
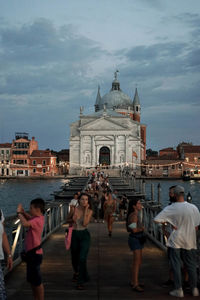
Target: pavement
[{"x": 109, "y": 265}]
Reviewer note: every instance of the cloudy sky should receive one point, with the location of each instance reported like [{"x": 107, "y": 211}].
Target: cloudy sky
[{"x": 53, "y": 55}]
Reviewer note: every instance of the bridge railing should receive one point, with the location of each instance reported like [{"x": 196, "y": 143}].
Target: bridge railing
[
  {"x": 55, "y": 216},
  {"x": 153, "y": 230}
]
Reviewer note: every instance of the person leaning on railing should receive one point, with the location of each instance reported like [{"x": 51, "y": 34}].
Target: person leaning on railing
[{"x": 4, "y": 245}]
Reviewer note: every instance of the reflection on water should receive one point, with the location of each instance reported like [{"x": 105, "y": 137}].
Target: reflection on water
[{"x": 14, "y": 191}]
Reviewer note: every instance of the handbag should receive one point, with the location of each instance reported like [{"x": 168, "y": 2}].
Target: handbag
[
  {"x": 68, "y": 237},
  {"x": 26, "y": 255}
]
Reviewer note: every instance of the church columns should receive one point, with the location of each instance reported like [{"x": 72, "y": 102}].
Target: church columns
[
  {"x": 115, "y": 150},
  {"x": 80, "y": 151},
  {"x": 126, "y": 148},
  {"x": 92, "y": 151}
]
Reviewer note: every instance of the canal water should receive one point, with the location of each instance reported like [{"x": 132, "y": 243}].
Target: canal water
[
  {"x": 191, "y": 186},
  {"x": 23, "y": 191},
  {"x": 14, "y": 191}
]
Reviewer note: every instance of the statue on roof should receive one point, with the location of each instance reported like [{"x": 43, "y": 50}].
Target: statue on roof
[{"x": 115, "y": 74}]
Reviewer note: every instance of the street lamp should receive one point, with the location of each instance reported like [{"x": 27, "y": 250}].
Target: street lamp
[{"x": 189, "y": 197}]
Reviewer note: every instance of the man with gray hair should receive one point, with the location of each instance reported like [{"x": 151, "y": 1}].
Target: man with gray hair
[{"x": 185, "y": 219}]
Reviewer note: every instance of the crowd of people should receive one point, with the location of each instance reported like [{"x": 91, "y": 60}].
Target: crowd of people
[{"x": 179, "y": 219}]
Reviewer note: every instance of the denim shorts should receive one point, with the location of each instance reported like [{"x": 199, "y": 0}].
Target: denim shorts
[
  {"x": 33, "y": 269},
  {"x": 134, "y": 243}
]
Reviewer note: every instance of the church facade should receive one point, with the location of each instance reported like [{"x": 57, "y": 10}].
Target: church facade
[{"x": 112, "y": 136}]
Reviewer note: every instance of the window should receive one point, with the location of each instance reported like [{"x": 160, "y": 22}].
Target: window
[
  {"x": 20, "y": 172},
  {"x": 157, "y": 167},
  {"x": 44, "y": 162},
  {"x": 2, "y": 151},
  {"x": 44, "y": 170},
  {"x": 20, "y": 162},
  {"x": 173, "y": 167},
  {"x": 34, "y": 162},
  {"x": 34, "y": 170},
  {"x": 13, "y": 161},
  {"x": 7, "y": 152},
  {"x": 25, "y": 162},
  {"x": 20, "y": 152}
]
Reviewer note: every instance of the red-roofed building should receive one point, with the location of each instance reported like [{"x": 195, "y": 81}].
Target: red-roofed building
[
  {"x": 21, "y": 149},
  {"x": 5, "y": 158},
  {"x": 42, "y": 163},
  {"x": 169, "y": 152}
]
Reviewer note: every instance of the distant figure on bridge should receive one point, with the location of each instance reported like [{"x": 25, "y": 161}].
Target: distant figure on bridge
[
  {"x": 34, "y": 253},
  {"x": 109, "y": 210},
  {"x": 80, "y": 242},
  {"x": 136, "y": 241},
  {"x": 185, "y": 219},
  {"x": 4, "y": 246}
]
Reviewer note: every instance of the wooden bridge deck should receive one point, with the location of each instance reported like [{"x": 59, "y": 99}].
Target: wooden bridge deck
[{"x": 109, "y": 264}]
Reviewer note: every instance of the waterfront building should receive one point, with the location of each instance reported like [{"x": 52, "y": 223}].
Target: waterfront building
[
  {"x": 174, "y": 162},
  {"x": 42, "y": 163},
  {"x": 5, "y": 159},
  {"x": 21, "y": 149},
  {"x": 112, "y": 136}
]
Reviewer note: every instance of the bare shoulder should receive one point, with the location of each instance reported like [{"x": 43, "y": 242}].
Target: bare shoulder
[{"x": 132, "y": 217}]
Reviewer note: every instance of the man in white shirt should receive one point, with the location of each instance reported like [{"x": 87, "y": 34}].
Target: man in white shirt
[
  {"x": 185, "y": 219},
  {"x": 73, "y": 203}
]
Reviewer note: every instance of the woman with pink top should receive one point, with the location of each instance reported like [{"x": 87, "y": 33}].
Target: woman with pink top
[{"x": 35, "y": 223}]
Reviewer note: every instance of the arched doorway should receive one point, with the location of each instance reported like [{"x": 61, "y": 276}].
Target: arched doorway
[{"x": 104, "y": 156}]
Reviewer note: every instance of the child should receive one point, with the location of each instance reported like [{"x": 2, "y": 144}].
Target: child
[{"x": 35, "y": 223}]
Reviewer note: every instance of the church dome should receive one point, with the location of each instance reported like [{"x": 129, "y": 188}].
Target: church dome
[{"x": 115, "y": 98}]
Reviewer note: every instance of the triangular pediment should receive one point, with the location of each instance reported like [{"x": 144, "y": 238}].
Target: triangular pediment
[
  {"x": 104, "y": 138},
  {"x": 103, "y": 124}
]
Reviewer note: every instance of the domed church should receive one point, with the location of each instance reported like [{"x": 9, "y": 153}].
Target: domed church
[{"x": 112, "y": 136}]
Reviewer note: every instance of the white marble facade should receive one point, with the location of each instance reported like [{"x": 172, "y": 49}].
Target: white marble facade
[
  {"x": 119, "y": 133},
  {"x": 111, "y": 136}
]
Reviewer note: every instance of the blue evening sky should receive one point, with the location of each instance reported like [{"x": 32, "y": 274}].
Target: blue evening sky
[{"x": 53, "y": 55}]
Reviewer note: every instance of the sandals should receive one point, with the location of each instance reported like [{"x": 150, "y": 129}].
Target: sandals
[
  {"x": 137, "y": 289},
  {"x": 140, "y": 284},
  {"x": 75, "y": 277},
  {"x": 80, "y": 287}
]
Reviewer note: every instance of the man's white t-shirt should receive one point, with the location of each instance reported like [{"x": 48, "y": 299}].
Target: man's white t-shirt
[
  {"x": 1, "y": 234},
  {"x": 73, "y": 202},
  {"x": 185, "y": 217}
]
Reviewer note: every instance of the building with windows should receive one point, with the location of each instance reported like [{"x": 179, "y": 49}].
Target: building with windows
[
  {"x": 5, "y": 159},
  {"x": 42, "y": 163},
  {"x": 21, "y": 149},
  {"x": 112, "y": 136}
]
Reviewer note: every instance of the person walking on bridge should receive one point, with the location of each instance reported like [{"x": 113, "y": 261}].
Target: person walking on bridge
[
  {"x": 80, "y": 242},
  {"x": 185, "y": 219},
  {"x": 109, "y": 209},
  {"x": 4, "y": 245}
]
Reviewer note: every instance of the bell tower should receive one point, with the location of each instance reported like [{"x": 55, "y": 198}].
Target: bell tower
[{"x": 136, "y": 107}]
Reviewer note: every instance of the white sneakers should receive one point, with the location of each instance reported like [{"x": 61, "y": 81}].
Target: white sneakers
[
  {"x": 179, "y": 293},
  {"x": 195, "y": 292}
]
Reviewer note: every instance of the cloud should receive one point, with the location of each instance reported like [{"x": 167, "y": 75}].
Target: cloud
[
  {"x": 48, "y": 71},
  {"x": 40, "y": 57}
]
